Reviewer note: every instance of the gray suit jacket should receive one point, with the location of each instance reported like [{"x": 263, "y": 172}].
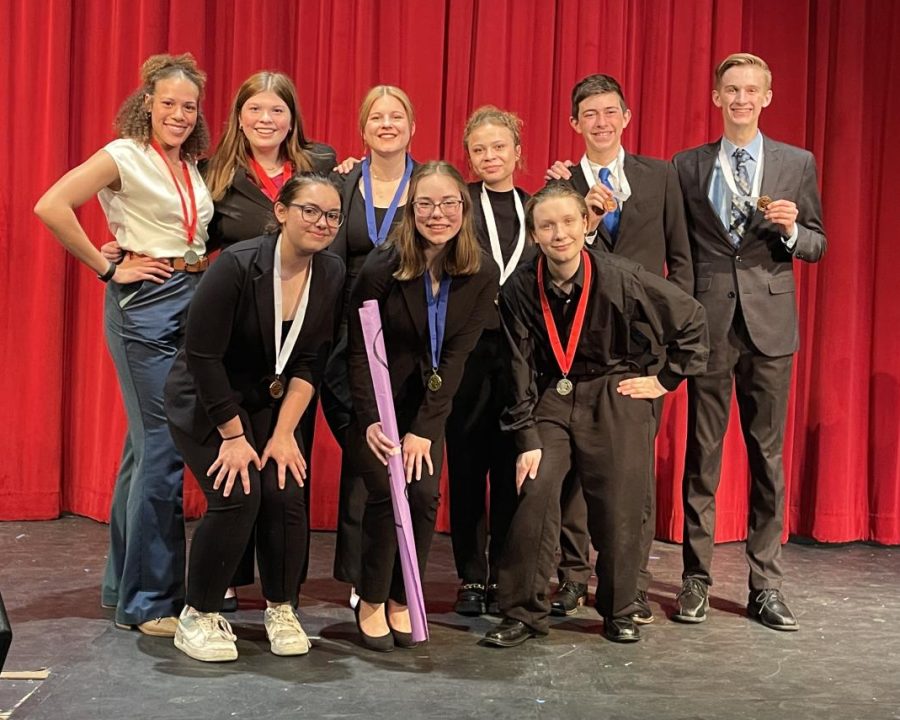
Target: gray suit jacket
[{"x": 759, "y": 272}]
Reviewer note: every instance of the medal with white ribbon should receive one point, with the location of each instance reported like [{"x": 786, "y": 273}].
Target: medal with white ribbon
[{"x": 283, "y": 352}]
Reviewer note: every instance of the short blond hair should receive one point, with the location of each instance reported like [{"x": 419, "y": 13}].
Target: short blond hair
[{"x": 739, "y": 59}]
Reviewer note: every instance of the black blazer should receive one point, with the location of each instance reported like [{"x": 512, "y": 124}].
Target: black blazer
[
  {"x": 652, "y": 228},
  {"x": 404, "y": 320},
  {"x": 759, "y": 273},
  {"x": 246, "y": 212},
  {"x": 228, "y": 356}
]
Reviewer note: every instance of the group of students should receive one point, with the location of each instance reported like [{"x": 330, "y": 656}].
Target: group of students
[{"x": 534, "y": 336}]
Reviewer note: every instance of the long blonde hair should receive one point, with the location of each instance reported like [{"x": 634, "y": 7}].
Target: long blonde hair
[
  {"x": 234, "y": 152},
  {"x": 463, "y": 255}
]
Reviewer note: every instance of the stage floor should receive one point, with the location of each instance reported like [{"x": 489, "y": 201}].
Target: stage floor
[{"x": 844, "y": 663}]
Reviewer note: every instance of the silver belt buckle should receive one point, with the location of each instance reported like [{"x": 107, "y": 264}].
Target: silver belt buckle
[{"x": 191, "y": 258}]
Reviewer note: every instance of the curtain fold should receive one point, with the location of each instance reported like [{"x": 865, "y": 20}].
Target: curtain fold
[{"x": 65, "y": 73}]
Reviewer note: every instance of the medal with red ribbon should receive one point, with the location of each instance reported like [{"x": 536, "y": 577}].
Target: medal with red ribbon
[
  {"x": 189, "y": 221},
  {"x": 266, "y": 184},
  {"x": 564, "y": 360}
]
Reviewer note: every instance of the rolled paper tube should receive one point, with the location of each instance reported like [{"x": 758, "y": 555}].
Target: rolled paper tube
[{"x": 381, "y": 382}]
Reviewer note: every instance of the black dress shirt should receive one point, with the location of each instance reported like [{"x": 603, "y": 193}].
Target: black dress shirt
[{"x": 622, "y": 293}]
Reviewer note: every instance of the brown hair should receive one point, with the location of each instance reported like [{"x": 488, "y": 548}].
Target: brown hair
[
  {"x": 133, "y": 119},
  {"x": 492, "y": 115},
  {"x": 549, "y": 192},
  {"x": 738, "y": 59},
  {"x": 293, "y": 187},
  {"x": 233, "y": 150},
  {"x": 596, "y": 85},
  {"x": 463, "y": 255},
  {"x": 380, "y": 91}
]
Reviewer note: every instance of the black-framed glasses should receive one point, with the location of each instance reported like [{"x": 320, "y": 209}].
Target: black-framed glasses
[
  {"x": 425, "y": 207},
  {"x": 312, "y": 213}
]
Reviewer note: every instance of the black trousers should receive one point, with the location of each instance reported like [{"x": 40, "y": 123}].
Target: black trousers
[
  {"x": 477, "y": 447},
  {"x": 762, "y": 384},
  {"x": 280, "y": 517},
  {"x": 574, "y": 539},
  {"x": 607, "y": 439},
  {"x": 381, "y": 575}
]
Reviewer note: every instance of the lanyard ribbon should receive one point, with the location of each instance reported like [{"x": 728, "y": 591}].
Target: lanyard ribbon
[
  {"x": 379, "y": 235},
  {"x": 494, "y": 235},
  {"x": 728, "y": 175},
  {"x": 190, "y": 225},
  {"x": 437, "y": 316},
  {"x": 283, "y": 352},
  {"x": 565, "y": 360},
  {"x": 266, "y": 184}
]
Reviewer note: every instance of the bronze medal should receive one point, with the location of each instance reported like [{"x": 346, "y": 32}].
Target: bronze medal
[
  {"x": 435, "y": 382},
  {"x": 610, "y": 204},
  {"x": 764, "y": 202},
  {"x": 564, "y": 386},
  {"x": 191, "y": 258},
  {"x": 276, "y": 388}
]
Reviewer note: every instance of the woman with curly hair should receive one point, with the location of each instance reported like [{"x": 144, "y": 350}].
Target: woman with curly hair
[{"x": 158, "y": 209}]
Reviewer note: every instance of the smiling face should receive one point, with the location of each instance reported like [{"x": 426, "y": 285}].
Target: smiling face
[
  {"x": 493, "y": 154},
  {"x": 438, "y": 226},
  {"x": 265, "y": 120},
  {"x": 559, "y": 228},
  {"x": 173, "y": 107},
  {"x": 742, "y": 94},
  {"x": 388, "y": 128},
  {"x": 304, "y": 237},
  {"x": 600, "y": 122}
]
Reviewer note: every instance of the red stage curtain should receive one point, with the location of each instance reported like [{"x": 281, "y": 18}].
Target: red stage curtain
[{"x": 67, "y": 66}]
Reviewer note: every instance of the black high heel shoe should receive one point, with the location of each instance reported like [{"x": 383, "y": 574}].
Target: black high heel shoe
[
  {"x": 383, "y": 643},
  {"x": 401, "y": 639}
]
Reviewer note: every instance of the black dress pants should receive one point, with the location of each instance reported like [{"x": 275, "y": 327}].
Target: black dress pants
[
  {"x": 381, "y": 575},
  {"x": 762, "y": 385},
  {"x": 607, "y": 439},
  {"x": 219, "y": 541},
  {"x": 477, "y": 447}
]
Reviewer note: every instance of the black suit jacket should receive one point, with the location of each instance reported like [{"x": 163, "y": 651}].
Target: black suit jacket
[
  {"x": 652, "y": 229},
  {"x": 760, "y": 271},
  {"x": 246, "y": 212},
  {"x": 228, "y": 356},
  {"x": 406, "y": 338}
]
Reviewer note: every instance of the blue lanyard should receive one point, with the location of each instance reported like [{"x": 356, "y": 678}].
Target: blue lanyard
[
  {"x": 379, "y": 235},
  {"x": 437, "y": 316}
]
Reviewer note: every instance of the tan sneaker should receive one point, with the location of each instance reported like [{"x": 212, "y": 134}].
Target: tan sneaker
[
  {"x": 285, "y": 634},
  {"x": 205, "y": 636},
  {"x": 160, "y": 627}
]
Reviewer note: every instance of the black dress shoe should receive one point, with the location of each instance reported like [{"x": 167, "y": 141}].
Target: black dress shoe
[
  {"x": 383, "y": 643},
  {"x": 769, "y": 607},
  {"x": 567, "y": 598},
  {"x": 621, "y": 630},
  {"x": 692, "y": 602},
  {"x": 509, "y": 633},
  {"x": 643, "y": 615},
  {"x": 470, "y": 600},
  {"x": 492, "y": 607},
  {"x": 402, "y": 639},
  {"x": 230, "y": 604}
]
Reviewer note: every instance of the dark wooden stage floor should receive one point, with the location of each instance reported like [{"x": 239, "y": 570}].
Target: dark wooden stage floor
[{"x": 844, "y": 663}]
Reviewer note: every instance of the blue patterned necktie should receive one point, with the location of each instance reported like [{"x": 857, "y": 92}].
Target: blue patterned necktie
[
  {"x": 611, "y": 219},
  {"x": 740, "y": 209}
]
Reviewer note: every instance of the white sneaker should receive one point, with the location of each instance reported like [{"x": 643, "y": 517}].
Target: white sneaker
[
  {"x": 285, "y": 634},
  {"x": 205, "y": 636}
]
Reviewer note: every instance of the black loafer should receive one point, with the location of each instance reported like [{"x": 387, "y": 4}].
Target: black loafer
[
  {"x": 492, "y": 606},
  {"x": 770, "y": 609},
  {"x": 692, "y": 601},
  {"x": 567, "y": 598},
  {"x": 509, "y": 633},
  {"x": 230, "y": 604},
  {"x": 470, "y": 600},
  {"x": 621, "y": 630},
  {"x": 643, "y": 615}
]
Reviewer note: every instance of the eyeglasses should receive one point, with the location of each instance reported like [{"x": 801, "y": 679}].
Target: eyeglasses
[
  {"x": 425, "y": 207},
  {"x": 312, "y": 213}
]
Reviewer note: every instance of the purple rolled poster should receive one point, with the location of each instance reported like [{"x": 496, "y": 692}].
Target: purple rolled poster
[{"x": 381, "y": 382}]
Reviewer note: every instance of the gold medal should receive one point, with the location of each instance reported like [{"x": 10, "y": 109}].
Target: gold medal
[
  {"x": 435, "y": 382},
  {"x": 764, "y": 202},
  {"x": 564, "y": 386},
  {"x": 276, "y": 388}
]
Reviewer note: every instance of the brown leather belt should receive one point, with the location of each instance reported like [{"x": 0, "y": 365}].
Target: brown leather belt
[{"x": 179, "y": 264}]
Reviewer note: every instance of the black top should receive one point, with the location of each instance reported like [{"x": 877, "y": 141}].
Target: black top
[
  {"x": 404, "y": 320},
  {"x": 228, "y": 357},
  {"x": 245, "y": 211},
  {"x": 622, "y": 294}
]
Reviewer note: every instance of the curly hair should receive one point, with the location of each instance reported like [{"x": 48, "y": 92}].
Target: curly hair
[
  {"x": 233, "y": 150},
  {"x": 133, "y": 119},
  {"x": 492, "y": 115}
]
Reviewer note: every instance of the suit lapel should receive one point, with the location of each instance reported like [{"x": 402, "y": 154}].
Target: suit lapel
[
  {"x": 636, "y": 172},
  {"x": 246, "y": 187},
  {"x": 772, "y": 163},
  {"x": 264, "y": 296},
  {"x": 706, "y": 163},
  {"x": 414, "y": 296}
]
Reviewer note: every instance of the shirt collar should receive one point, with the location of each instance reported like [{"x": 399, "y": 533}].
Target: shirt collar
[
  {"x": 577, "y": 280},
  {"x": 753, "y": 148}
]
